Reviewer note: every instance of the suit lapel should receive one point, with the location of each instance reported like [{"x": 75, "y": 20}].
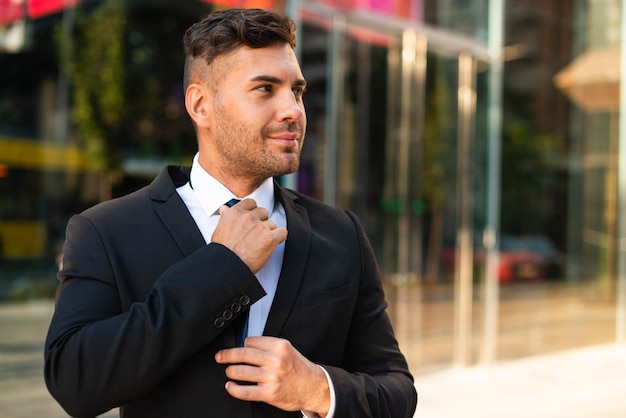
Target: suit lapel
[
  {"x": 176, "y": 217},
  {"x": 172, "y": 210},
  {"x": 294, "y": 261}
]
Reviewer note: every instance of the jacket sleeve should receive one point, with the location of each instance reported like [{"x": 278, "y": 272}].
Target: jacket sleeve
[
  {"x": 374, "y": 380},
  {"x": 99, "y": 355}
]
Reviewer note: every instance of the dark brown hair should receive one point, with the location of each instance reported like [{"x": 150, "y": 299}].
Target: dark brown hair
[{"x": 223, "y": 31}]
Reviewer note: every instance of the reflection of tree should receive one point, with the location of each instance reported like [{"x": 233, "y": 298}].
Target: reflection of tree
[
  {"x": 98, "y": 74},
  {"x": 438, "y": 159},
  {"x": 525, "y": 181},
  {"x": 125, "y": 63}
]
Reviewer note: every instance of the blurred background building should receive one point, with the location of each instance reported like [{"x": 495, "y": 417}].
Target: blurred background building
[{"x": 481, "y": 143}]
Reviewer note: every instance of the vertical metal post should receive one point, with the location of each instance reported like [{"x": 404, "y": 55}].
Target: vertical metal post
[
  {"x": 417, "y": 90},
  {"x": 620, "y": 327},
  {"x": 389, "y": 185},
  {"x": 365, "y": 139},
  {"x": 409, "y": 41},
  {"x": 334, "y": 94},
  {"x": 464, "y": 251},
  {"x": 490, "y": 237},
  {"x": 409, "y": 55},
  {"x": 293, "y": 10}
]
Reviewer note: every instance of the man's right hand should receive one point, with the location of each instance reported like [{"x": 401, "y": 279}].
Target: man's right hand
[{"x": 247, "y": 231}]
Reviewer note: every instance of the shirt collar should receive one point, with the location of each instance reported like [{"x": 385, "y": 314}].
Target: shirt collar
[{"x": 213, "y": 194}]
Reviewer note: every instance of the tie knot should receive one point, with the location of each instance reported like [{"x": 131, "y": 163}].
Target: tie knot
[{"x": 232, "y": 202}]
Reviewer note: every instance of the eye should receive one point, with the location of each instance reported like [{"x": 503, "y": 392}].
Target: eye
[
  {"x": 299, "y": 91},
  {"x": 265, "y": 88}
]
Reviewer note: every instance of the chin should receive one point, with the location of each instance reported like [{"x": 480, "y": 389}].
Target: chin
[
  {"x": 286, "y": 171},
  {"x": 289, "y": 163}
]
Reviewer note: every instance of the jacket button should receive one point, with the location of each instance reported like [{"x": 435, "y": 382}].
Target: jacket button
[
  {"x": 235, "y": 307},
  {"x": 244, "y": 300},
  {"x": 219, "y": 322},
  {"x": 227, "y": 315}
]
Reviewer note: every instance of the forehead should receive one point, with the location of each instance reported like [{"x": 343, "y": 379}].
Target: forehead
[{"x": 249, "y": 63}]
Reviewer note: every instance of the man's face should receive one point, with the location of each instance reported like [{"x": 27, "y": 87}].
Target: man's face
[{"x": 259, "y": 120}]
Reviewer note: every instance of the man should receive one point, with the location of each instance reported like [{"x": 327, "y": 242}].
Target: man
[{"x": 154, "y": 285}]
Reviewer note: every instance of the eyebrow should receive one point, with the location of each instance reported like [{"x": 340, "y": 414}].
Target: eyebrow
[{"x": 275, "y": 80}]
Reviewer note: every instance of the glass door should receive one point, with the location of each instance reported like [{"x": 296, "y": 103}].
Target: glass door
[{"x": 392, "y": 137}]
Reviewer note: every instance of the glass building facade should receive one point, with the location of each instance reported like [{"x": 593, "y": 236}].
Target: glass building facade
[{"x": 480, "y": 142}]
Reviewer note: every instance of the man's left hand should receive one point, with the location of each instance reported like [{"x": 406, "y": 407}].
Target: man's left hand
[{"x": 281, "y": 376}]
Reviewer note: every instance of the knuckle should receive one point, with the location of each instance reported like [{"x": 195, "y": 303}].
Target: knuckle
[
  {"x": 284, "y": 345},
  {"x": 248, "y": 216}
]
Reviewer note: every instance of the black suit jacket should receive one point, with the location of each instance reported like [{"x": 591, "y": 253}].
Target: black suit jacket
[{"x": 144, "y": 304}]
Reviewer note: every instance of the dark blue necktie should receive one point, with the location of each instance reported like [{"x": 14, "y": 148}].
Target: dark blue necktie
[
  {"x": 232, "y": 202},
  {"x": 240, "y": 324}
]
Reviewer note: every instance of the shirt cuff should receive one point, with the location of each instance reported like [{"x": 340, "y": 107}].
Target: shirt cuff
[{"x": 331, "y": 409}]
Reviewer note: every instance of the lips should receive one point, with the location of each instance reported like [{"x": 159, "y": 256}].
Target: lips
[
  {"x": 286, "y": 143},
  {"x": 286, "y": 136},
  {"x": 285, "y": 139}
]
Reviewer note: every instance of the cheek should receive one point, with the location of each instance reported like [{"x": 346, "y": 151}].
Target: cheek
[{"x": 256, "y": 117}]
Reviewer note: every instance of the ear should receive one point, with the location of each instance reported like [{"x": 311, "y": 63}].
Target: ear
[{"x": 197, "y": 102}]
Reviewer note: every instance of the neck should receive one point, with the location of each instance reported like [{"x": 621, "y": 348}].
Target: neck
[{"x": 240, "y": 186}]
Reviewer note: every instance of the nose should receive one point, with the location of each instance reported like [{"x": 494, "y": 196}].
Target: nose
[{"x": 290, "y": 108}]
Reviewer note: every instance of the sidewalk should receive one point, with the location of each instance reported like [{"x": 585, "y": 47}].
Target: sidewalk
[
  {"x": 23, "y": 393},
  {"x": 583, "y": 383}
]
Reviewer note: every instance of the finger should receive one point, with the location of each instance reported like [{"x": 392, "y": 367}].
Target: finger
[
  {"x": 245, "y": 392},
  {"x": 259, "y": 342},
  {"x": 261, "y": 213},
  {"x": 280, "y": 234},
  {"x": 271, "y": 351},
  {"x": 264, "y": 343},
  {"x": 245, "y": 373},
  {"x": 257, "y": 212},
  {"x": 246, "y": 204},
  {"x": 230, "y": 355},
  {"x": 240, "y": 355}
]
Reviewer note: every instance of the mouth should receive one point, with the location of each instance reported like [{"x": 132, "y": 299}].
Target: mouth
[{"x": 285, "y": 139}]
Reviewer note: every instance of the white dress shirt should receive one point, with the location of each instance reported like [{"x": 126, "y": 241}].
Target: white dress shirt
[{"x": 204, "y": 195}]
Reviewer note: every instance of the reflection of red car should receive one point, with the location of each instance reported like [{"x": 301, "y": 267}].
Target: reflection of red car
[
  {"x": 520, "y": 258},
  {"x": 520, "y": 265},
  {"x": 527, "y": 258}
]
